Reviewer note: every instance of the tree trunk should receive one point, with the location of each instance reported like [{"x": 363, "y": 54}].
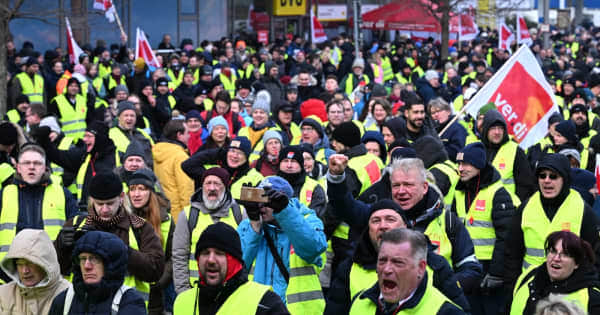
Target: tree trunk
[
  {"x": 445, "y": 24},
  {"x": 4, "y": 36}
]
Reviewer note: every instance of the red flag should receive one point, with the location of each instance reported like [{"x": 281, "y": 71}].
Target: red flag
[
  {"x": 522, "y": 95},
  {"x": 317, "y": 33},
  {"x": 523, "y": 36},
  {"x": 598, "y": 171},
  {"x": 143, "y": 50},
  {"x": 505, "y": 38},
  {"x": 72, "y": 47},
  {"x": 107, "y": 7}
]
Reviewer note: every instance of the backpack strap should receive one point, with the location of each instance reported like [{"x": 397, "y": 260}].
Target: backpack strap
[
  {"x": 114, "y": 309},
  {"x": 450, "y": 226},
  {"x": 193, "y": 219},
  {"x": 68, "y": 299},
  {"x": 237, "y": 213}
]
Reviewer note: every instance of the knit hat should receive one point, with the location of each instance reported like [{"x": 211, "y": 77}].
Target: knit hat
[
  {"x": 121, "y": 88},
  {"x": 241, "y": 143},
  {"x": 399, "y": 153},
  {"x": 347, "y": 133},
  {"x": 430, "y": 150},
  {"x": 50, "y": 122},
  {"x": 313, "y": 107},
  {"x": 279, "y": 184},
  {"x": 431, "y": 74},
  {"x": 473, "y": 154},
  {"x": 105, "y": 186},
  {"x": 220, "y": 172},
  {"x": 22, "y": 99},
  {"x": 193, "y": 114},
  {"x": 314, "y": 122},
  {"x": 123, "y": 106},
  {"x": 221, "y": 236},
  {"x": 139, "y": 63},
  {"x": 143, "y": 176},
  {"x": 284, "y": 106},
  {"x": 162, "y": 82},
  {"x": 578, "y": 108},
  {"x": 293, "y": 152},
  {"x": 378, "y": 90},
  {"x": 9, "y": 133},
  {"x": 94, "y": 127},
  {"x": 261, "y": 104},
  {"x": 358, "y": 63},
  {"x": 567, "y": 129},
  {"x": 217, "y": 121},
  {"x": 485, "y": 108},
  {"x": 571, "y": 153},
  {"x": 554, "y": 118},
  {"x": 389, "y": 204},
  {"x": 271, "y": 134},
  {"x": 133, "y": 149},
  {"x": 32, "y": 61},
  {"x": 308, "y": 148}
]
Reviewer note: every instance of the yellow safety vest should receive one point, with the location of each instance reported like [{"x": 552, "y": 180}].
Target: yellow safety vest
[
  {"x": 253, "y": 176},
  {"x": 388, "y": 73},
  {"x": 436, "y": 231},
  {"x": 306, "y": 192},
  {"x": 246, "y": 297},
  {"x": 536, "y": 226},
  {"x": 104, "y": 70},
  {"x": 585, "y": 153},
  {"x": 376, "y": 68},
  {"x": 402, "y": 79},
  {"x": 228, "y": 84},
  {"x": 478, "y": 220},
  {"x": 97, "y": 83},
  {"x": 295, "y": 130},
  {"x": 122, "y": 141},
  {"x": 430, "y": 303},
  {"x": 580, "y": 297},
  {"x": 72, "y": 119},
  {"x": 204, "y": 220},
  {"x": 13, "y": 116},
  {"x": 34, "y": 90},
  {"x": 176, "y": 80},
  {"x": 258, "y": 146},
  {"x": 64, "y": 144},
  {"x": 350, "y": 83},
  {"x": 6, "y": 171},
  {"x": 112, "y": 83},
  {"x": 504, "y": 162},
  {"x": 320, "y": 156},
  {"x": 448, "y": 168},
  {"x": 247, "y": 74},
  {"x": 367, "y": 168}
]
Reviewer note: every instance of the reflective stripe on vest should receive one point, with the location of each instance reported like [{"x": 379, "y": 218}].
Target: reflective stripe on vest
[
  {"x": 72, "y": 119},
  {"x": 367, "y": 168},
  {"x": 228, "y": 84},
  {"x": 304, "y": 294},
  {"x": 436, "y": 231},
  {"x": 504, "y": 162},
  {"x": 349, "y": 88},
  {"x": 536, "y": 226},
  {"x": 478, "y": 220},
  {"x": 449, "y": 170},
  {"x": 34, "y": 90},
  {"x": 204, "y": 220},
  {"x": 246, "y": 297},
  {"x": 306, "y": 192},
  {"x": 430, "y": 303},
  {"x": 53, "y": 213}
]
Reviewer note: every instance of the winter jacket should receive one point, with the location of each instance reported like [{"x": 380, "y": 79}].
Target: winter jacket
[
  {"x": 178, "y": 187},
  {"x": 299, "y": 227},
  {"x": 30, "y": 202},
  {"x": 522, "y": 173},
  {"x": 503, "y": 210},
  {"x": 541, "y": 286},
  {"x": 264, "y": 166},
  {"x": 97, "y": 298},
  {"x": 16, "y": 298},
  {"x": 158, "y": 115},
  {"x": 339, "y": 298},
  {"x": 453, "y": 138},
  {"x": 356, "y": 213},
  {"x": 146, "y": 263},
  {"x": 133, "y": 135},
  {"x": 426, "y": 91},
  {"x": 272, "y": 85},
  {"x": 182, "y": 238}
]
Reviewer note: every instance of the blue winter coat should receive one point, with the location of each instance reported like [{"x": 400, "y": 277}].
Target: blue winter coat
[{"x": 299, "y": 227}]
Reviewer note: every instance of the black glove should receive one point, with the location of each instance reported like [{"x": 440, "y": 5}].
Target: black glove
[
  {"x": 491, "y": 283},
  {"x": 41, "y": 135},
  {"x": 67, "y": 237},
  {"x": 278, "y": 200},
  {"x": 595, "y": 143}
]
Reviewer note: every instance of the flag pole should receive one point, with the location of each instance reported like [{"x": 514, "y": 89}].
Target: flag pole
[{"x": 116, "y": 15}]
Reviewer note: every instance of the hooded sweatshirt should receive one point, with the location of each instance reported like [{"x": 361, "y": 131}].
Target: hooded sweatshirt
[{"x": 15, "y": 297}]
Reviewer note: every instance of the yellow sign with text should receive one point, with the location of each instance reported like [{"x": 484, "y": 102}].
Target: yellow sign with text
[{"x": 289, "y": 7}]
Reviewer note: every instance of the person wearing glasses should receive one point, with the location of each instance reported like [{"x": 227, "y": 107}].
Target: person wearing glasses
[
  {"x": 554, "y": 207},
  {"x": 568, "y": 272},
  {"x": 100, "y": 260}
]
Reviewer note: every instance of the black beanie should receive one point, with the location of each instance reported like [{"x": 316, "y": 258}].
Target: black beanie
[
  {"x": 389, "y": 204},
  {"x": 221, "y": 236},
  {"x": 293, "y": 152},
  {"x": 143, "y": 176},
  {"x": 105, "y": 186},
  {"x": 133, "y": 149},
  {"x": 9, "y": 133},
  {"x": 568, "y": 130},
  {"x": 473, "y": 154},
  {"x": 347, "y": 133}
]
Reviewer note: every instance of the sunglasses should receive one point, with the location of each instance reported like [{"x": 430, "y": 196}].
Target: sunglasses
[{"x": 546, "y": 175}]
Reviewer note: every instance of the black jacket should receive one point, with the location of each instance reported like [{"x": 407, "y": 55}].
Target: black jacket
[
  {"x": 194, "y": 166},
  {"x": 374, "y": 292},
  {"x": 339, "y": 299},
  {"x": 522, "y": 172},
  {"x": 356, "y": 213},
  {"x": 503, "y": 210}
]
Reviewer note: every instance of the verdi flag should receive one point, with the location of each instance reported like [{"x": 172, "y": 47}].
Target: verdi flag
[
  {"x": 144, "y": 50},
  {"x": 505, "y": 37},
  {"x": 107, "y": 7},
  {"x": 316, "y": 29},
  {"x": 72, "y": 47},
  {"x": 523, "y": 36},
  {"x": 522, "y": 95}
]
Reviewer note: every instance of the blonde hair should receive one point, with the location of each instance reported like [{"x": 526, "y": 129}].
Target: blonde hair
[{"x": 556, "y": 304}]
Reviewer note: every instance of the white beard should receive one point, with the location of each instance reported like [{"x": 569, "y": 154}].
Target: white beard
[{"x": 212, "y": 204}]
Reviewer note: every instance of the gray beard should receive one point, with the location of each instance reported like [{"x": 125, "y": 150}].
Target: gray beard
[{"x": 212, "y": 205}]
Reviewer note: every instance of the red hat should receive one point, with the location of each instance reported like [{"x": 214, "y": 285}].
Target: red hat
[{"x": 315, "y": 107}]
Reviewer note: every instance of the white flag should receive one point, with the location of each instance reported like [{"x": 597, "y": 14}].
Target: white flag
[
  {"x": 316, "y": 29},
  {"x": 108, "y": 8},
  {"x": 73, "y": 49},
  {"x": 144, "y": 50},
  {"x": 523, "y": 36}
]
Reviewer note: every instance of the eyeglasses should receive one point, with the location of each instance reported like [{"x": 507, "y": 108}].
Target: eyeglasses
[
  {"x": 93, "y": 259},
  {"x": 553, "y": 252},
  {"x": 34, "y": 163},
  {"x": 546, "y": 175}
]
